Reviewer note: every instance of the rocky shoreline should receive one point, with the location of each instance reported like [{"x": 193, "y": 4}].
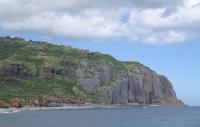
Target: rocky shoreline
[
  {"x": 15, "y": 110},
  {"x": 72, "y": 106},
  {"x": 52, "y": 102},
  {"x": 79, "y": 106},
  {"x": 39, "y": 102}
]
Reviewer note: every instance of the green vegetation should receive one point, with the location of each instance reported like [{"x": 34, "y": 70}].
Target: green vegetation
[{"x": 23, "y": 66}]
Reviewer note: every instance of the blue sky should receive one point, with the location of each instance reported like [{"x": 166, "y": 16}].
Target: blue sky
[
  {"x": 161, "y": 34},
  {"x": 179, "y": 62}
]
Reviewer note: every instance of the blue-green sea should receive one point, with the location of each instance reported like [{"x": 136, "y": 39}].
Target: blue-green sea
[{"x": 104, "y": 117}]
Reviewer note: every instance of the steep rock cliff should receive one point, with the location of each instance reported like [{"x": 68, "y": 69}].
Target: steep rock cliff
[{"x": 134, "y": 83}]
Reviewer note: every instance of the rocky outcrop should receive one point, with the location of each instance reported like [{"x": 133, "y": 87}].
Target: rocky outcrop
[
  {"x": 15, "y": 69},
  {"x": 92, "y": 76},
  {"x": 129, "y": 86},
  {"x": 4, "y": 104},
  {"x": 144, "y": 89},
  {"x": 16, "y": 102}
]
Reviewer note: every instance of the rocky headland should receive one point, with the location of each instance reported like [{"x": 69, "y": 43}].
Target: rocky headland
[{"x": 41, "y": 74}]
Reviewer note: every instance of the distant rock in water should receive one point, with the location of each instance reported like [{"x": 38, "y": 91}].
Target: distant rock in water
[{"x": 31, "y": 71}]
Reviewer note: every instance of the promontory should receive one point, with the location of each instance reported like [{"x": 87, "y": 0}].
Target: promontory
[{"x": 38, "y": 73}]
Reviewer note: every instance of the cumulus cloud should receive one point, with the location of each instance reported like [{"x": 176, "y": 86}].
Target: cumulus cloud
[{"x": 143, "y": 21}]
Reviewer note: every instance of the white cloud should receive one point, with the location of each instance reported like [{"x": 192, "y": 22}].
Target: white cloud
[{"x": 143, "y": 21}]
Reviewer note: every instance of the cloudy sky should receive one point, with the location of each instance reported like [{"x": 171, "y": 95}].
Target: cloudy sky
[
  {"x": 144, "y": 21},
  {"x": 162, "y": 34}
]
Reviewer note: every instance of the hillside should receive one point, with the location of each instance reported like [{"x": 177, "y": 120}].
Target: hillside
[{"x": 38, "y": 73}]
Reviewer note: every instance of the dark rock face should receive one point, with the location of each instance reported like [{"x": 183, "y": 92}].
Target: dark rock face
[
  {"x": 94, "y": 75},
  {"x": 128, "y": 86},
  {"x": 51, "y": 73},
  {"x": 11, "y": 69},
  {"x": 134, "y": 89},
  {"x": 14, "y": 69},
  {"x": 120, "y": 92}
]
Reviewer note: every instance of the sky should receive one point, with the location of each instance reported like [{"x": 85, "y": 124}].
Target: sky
[{"x": 160, "y": 34}]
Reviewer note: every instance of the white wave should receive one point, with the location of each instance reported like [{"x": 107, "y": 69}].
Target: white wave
[
  {"x": 12, "y": 110},
  {"x": 88, "y": 106}
]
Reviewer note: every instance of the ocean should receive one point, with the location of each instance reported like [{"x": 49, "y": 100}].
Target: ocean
[{"x": 104, "y": 117}]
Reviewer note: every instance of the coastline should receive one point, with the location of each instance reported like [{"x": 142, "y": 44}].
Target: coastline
[{"x": 72, "y": 106}]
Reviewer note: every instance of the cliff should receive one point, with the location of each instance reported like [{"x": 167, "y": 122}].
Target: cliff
[{"x": 35, "y": 73}]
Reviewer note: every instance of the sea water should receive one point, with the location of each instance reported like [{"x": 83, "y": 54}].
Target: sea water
[{"x": 104, "y": 117}]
